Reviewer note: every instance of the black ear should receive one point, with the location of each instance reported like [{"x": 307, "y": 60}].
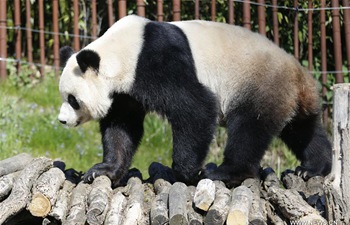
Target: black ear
[
  {"x": 65, "y": 53},
  {"x": 88, "y": 58}
]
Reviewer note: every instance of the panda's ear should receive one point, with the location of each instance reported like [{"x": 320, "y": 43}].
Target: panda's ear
[
  {"x": 65, "y": 53},
  {"x": 88, "y": 59}
]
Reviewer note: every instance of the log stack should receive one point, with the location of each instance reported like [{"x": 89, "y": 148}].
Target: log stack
[{"x": 42, "y": 191}]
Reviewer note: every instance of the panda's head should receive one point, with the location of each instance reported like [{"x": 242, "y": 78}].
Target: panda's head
[{"x": 85, "y": 93}]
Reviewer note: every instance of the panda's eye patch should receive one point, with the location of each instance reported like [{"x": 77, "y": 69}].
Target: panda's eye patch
[{"x": 73, "y": 102}]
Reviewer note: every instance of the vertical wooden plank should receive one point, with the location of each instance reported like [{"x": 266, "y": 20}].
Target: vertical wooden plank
[
  {"x": 309, "y": 25},
  {"x": 339, "y": 78},
  {"x": 176, "y": 10},
  {"x": 347, "y": 31},
  {"x": 56, "y": 44},
  {"x": 231, "y": 17},
  {"x": 76, "y": 42},
  {"x": 196, "y": 10},
  {"x": 160, "y": 12},
  {"x": 276, "y": 36},
  {"x": 324, "y": 61},
  {"x": 41, "y": 37},
  {"x": 18, "y": 34},
  {"x": 213, "y": 10},
  {"x": 246, "y": 14},
  {"x": 121, "y": 8},
  {"x": 94, "y": 19},
  {"x": 296, "y": 31},
  {"x": 29, "y": 33},
  {"x": 3, "y": 44},
  {"x": 110, "y": 12},
  {"x": 341, "y": 141},
  {"x": 261, "y": 18},
  {"x": 140, "y": 7}
]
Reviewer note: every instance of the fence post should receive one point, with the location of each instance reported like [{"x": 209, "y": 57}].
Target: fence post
[
  {"x": 231, "y": 15},
  {"x": 56, "y": 40},
  {"x": 18, "y": 34},
  {"x": 94, "y": 19},
  {"x": 122, "y": 8},
  {"x": 110, "y": 12},
  {"x": 347, "y": 31},
  {"x": 213, "y": 10},
  {"x": 324, "y": 61},
  {"x": 140, "y": 5},
  {"x": 261, "y": 17},
  {"x": 176, "y": 10},
  {"x": 309, "y": 34},
  {"x": 339, "y": 78},
  {"x": 246, "y": 14},
  {"x": 196, "y": 9},
  {"x": 341, "y": 141},
  {"x": 3, "y": 44},
  {"x": 276, "y": 35},
  {"x": 296, "y": 31},
  {"x": 41, "y": 37},
  {"x": 29, "y": 33},
  {"x": 160, "y": 13}
]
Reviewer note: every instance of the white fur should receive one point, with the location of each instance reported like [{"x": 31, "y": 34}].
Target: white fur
[{"x": 118, "y": 49}]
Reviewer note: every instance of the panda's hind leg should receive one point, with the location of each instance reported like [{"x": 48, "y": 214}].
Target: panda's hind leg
[
  {"x": 306, "y": 137},
  {"x": 249, "y": 135}
]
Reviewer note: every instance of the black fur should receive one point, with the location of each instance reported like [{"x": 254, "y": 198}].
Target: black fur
[
  {"x": 88, "y": 59},
  {"x": 121, "y": 130},
  {"x": 65, "y": 53},
  {"x": 166, "y": 83}
]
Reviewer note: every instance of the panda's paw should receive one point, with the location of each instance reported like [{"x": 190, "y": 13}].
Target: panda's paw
[
  {"x": 306, "y": 173},
  {"x": 100, "y": 169}
]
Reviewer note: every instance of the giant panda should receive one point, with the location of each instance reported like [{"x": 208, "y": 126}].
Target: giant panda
[{"x": 197, "y": 75}]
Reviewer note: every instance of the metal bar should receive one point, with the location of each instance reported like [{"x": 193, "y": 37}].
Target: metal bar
[
  {"x": 3, "y": 44},
  {"x": 140, "y": 6},
  {"x": 41, "y": 37},
  {"x": 346, "y": 13},
  {"x": 246, "y": 14},
  {"x": 94, "y": 19},
  {"x": 339, "y": 77},
  {"x": 18, "y": 34},
  {"x": 296, "y": 31},
  {"x": 176, "y": 10},
  {"x": 76, "y": 42},
  {"x": 196, "y": 10},
  {"x": 110, "y": 12},
  {"x": 56, "y": 40},
  {"x": 276, "y": 35},
  {"x": 324, "y": 61},
  {"x": 231, "y": 16},
  {"x": 309, "y": 24},
  {"x": 262, "y": 18},
  {"x": 121, "y": 8},
  {"x": 160, "y": 12},
  {"x": 213, "y": 10},
  {"x": 29, "y": 33}
]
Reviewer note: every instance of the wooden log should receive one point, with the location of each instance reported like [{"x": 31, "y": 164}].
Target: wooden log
[
  {"x": 115, "y": 214},
  {"x": 273, "y": 215},
  {"x": 15, "y": 163},
  {"x": 78, "y": 204},
  {"x": 159, "y": 209},
  {"x": 292, "y": 181},
  {"x": 217, "y": 213},
  {"x": 241, "y": 202},
  {"x": 205, "y": 194},
  {"x": 60, "y": 209},
  {"x": 194, "y": 217},
  {"x": 98, "y": 200},
  {"x": 134, "y": 206},
  {"x": 21, "y": 191},
  {"x": 341, "y": 141},
  {"x": 6, "y": 184},
  {"x": 256, "y": 215},
  {"x": 45, "y": 191},
  {"x": 293, "y": 206},
  {"x": 177, "y": 204}
]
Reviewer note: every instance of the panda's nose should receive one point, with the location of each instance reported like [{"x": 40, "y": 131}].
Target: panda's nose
[{"x": 63, "y": 122}]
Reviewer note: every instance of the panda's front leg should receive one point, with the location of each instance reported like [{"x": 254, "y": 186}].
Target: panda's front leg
[{"x": 121, "y": 130}]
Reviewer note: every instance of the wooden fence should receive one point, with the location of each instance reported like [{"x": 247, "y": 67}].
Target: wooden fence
[{"x": 21, "y": 53}]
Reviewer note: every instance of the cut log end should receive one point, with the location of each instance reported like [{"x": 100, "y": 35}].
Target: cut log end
[{"x": 40, "y": 206}]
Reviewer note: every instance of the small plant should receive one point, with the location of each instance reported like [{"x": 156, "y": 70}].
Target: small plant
[{"x": 27, "y": 76}]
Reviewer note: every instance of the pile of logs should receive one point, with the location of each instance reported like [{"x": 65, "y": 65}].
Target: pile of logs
[{"x": 42, "y": 191}]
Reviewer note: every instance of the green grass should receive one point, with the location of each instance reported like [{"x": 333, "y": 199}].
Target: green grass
[{"x": 28, "y": 121}]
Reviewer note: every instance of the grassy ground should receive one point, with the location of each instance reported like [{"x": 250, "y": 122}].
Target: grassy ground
[{"x": 28, "y": 121}]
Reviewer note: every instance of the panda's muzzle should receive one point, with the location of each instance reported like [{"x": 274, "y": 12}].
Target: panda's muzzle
[{"x": 63, "y": 121}]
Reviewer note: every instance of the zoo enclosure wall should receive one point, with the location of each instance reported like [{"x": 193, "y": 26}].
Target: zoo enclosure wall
[{"x": 31, "y": 32}]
